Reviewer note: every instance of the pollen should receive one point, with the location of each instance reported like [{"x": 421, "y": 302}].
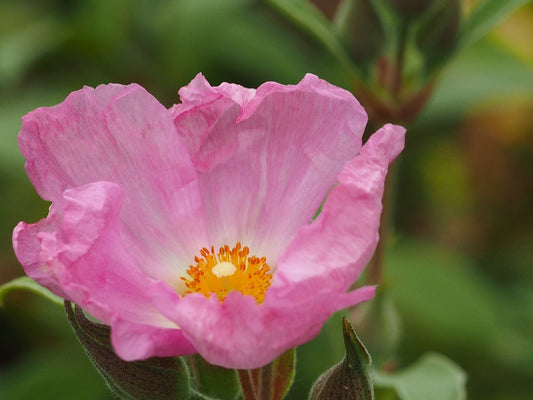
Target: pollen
[{"x": 227, "y": 270}]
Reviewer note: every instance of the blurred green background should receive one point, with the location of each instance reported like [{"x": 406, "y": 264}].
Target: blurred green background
[{"x": 458, "y": 276}]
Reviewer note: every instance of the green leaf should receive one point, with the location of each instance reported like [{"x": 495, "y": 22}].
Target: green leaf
[
  {"x": 433, "y": 377},
  {"x": 485, "y": 17},
  {"x": 26, "y": 283},
  {"x": 151, "y": 379},
  {"x": 351, "y": 379},
  {"x": 304, "y": 14}
]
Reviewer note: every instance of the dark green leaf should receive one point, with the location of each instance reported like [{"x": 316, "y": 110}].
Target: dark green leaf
[
  {"x": 151, "y": 379},
  {"x": 304, "y": 14}
]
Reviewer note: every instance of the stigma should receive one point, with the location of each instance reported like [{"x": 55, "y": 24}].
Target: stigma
[{"x": 228, "y": 270}]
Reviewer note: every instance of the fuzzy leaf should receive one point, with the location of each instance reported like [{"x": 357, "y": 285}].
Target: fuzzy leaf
[{"x": 151, "y": 379}]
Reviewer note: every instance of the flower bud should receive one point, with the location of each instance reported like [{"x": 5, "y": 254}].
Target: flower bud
[
  {"x": 351, "y": 379},
  {"x": 436, "y": 36},
  {"x": 360, "y": 29},
  {"x": 411, "y": 8}
]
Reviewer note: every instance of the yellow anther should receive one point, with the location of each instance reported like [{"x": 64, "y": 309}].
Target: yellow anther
[{"x": 227, "y": 270}]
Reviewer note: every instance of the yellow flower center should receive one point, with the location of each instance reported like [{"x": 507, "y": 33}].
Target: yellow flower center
[{"x": 227, "y": 270}]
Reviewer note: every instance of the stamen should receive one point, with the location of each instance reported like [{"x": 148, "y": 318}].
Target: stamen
[{"x": 227, "y": 270}]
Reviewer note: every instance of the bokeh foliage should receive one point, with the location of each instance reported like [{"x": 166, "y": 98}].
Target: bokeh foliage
[{"x": 458, "y": 267}]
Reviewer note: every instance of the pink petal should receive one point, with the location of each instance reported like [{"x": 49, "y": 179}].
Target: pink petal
[
  {"x": 137, "y": 190},
  {"x": 77, "y": 252},
  {"x": 334, "y": 249},
  {"x": 266, "y": 158},
  {"x": 138, "y": 341},
  {"x": 123, "y": 135},
  {"x": 239, "y": 333}
]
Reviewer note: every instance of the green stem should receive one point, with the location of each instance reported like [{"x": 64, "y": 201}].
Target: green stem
[{"x": 247, "y": 387}]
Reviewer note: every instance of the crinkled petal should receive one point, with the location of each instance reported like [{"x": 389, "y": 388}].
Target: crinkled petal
[
  {"x": 77, "y": 252},
  {"x": 124, "y": 135},
  {"x": 266, "y": 158},
  {"x": 139, "y": 341},
  {"x": 239, "y": 333},
  {"x": 332, "y": 251}
]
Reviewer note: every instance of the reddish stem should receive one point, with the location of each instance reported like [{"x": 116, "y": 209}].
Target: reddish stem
[{"x": 247, "y": 387}]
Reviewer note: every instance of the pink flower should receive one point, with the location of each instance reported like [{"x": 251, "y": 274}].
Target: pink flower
[{"x": 138, "y": 191}]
